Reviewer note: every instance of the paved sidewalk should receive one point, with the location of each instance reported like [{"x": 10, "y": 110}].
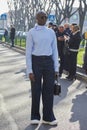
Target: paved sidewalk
[{"x": 15, "y": 98}]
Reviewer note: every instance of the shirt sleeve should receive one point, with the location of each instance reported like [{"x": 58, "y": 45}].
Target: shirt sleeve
[
  {"x": 55, "y": 53},
  {"x": 29, "y": 46}
]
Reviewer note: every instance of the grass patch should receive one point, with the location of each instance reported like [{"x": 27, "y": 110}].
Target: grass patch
[
  {"x": 20, "y": 42},
  {"x": 80, "y": 56}
]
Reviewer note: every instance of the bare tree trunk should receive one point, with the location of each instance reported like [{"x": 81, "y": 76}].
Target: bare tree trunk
[{"x": 82, "y": 13}]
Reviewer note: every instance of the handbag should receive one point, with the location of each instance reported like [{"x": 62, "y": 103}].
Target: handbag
[{"x": 57, "y": 88}]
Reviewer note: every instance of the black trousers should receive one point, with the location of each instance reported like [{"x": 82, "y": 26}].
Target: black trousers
[
  {"x": 61, "y": 56},
  {"x": 12, "y": 42},
  {"x": 61, "y": 63},
  {"x": 43, "y": 69},
  {"x": 72, "y": 63}
]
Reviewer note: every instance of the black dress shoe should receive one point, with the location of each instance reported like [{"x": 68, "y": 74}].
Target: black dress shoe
[
  {"x": 72, "y": 78},
  {"x": 67, "y": 77}
]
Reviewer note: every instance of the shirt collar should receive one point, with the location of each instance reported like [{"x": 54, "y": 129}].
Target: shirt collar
[{"x": 39, "y": 27}]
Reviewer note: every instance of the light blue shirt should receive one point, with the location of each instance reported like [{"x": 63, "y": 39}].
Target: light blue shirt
[{"x": 41, "y": 41}]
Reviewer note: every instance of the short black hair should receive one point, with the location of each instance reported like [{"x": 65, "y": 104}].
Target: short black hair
[
  {"x": 74, "y": 24},
  {"x": 50, "y": 23}
]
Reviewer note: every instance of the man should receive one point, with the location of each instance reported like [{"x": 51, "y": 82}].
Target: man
[
  {"x": 12, "y": 35},
  {"x": 42, "y": 68},
  {"x": 50, "y": 25},
  {"x": 60, "y": 38},
  {"x": 67, "y": 30},
  {"x": 6, "y": 35}
]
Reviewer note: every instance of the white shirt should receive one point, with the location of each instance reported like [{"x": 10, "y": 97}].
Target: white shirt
[{"x": 41, "y": 41}]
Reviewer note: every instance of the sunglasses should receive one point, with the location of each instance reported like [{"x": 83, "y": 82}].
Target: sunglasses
[{"x": 43, "y": 17}]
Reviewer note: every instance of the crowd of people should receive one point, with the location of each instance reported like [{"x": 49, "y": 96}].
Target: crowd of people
[{"x": 68, "y": 42}]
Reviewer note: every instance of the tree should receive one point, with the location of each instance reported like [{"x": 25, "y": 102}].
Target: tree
[
  {"x": 82, "y": 12},
  {"x": 10, "y": 11},
  {"x": 23, "y": 16},
  {"x": 24, "y": 12},
  {"x": 63, "y": 10},
  {"x": 34, "y": 6}
]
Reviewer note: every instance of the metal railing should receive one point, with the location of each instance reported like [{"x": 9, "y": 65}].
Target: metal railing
[{"x": 18, "y": 41}]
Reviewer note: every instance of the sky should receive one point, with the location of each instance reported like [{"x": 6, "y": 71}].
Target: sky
[{"x": 3, "y": 6}]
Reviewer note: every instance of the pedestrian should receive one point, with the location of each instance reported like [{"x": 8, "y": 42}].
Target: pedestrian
[
  {"x": 85, "y": 55},
  {"x": 60, "y": 44},
  {"x": 68, "y": 34},
  {"x": 50, "y": 25},
  {"x": 6, "y": 35},
  {"x": 42, "y": 69},
  {"x": 67, "y": 30},
  {"x": 85, "y": 61},
  {"x": 12, "y": 35},
  {"x": 73, "y": 43}
]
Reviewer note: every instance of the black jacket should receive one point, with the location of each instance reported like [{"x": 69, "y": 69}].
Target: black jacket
[
  {"x": 75, "y": 40},
  {"x": 12, "y": 33}
]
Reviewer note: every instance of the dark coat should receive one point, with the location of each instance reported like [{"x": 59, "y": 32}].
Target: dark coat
[
  {"x": 60, "y": 44},
  {"x": 75, "y": 40},
  {"x": 73, "y": 43},
  {"x": 12, "y": 33},
  {"x": 6, "y": 33}
]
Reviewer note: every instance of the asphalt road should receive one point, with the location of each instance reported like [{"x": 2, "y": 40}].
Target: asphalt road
[{"x": 15, "y": 98}]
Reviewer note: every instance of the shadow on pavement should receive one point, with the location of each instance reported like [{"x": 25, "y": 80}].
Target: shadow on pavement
[
  {"x": 42, "y": 127},
  {"x": 65, "y": 84},
  {"x": 21, "y": 71},
  {"x": 31, "y": 127},
  {"x": 24, "y": 73},
  {"x": 79, "y": 110}
]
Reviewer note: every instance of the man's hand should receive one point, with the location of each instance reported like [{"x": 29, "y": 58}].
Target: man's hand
[
  {"x": 61, "y": 38},
  {"x": 32, "y": 77}
]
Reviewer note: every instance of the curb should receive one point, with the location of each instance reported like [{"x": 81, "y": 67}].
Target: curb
[
  {"x": 15, "y": 48},
  {"x": 81, "y": 74}
]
